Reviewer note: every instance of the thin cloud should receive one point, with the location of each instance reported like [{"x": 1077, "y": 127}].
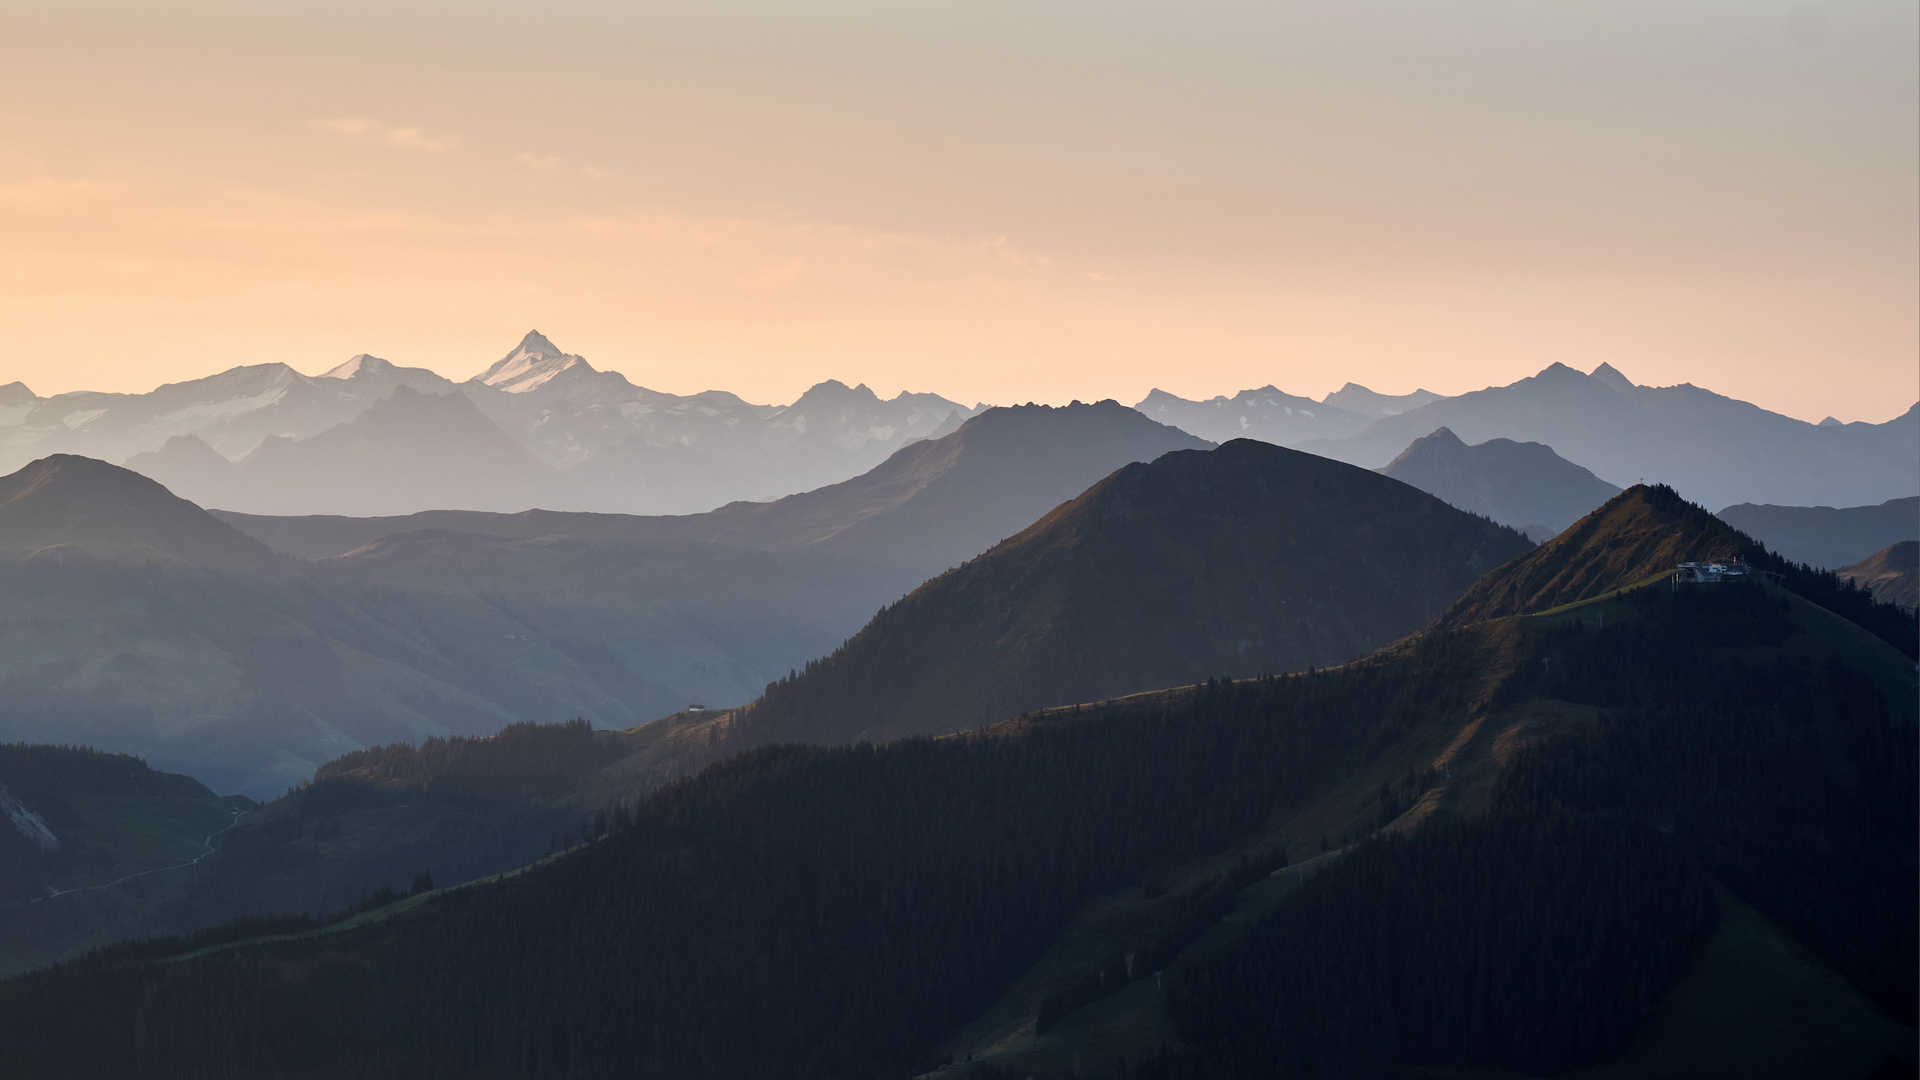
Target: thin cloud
[
  {"x": 534, "y": 161},
  {"x": 367, "y": 129}
]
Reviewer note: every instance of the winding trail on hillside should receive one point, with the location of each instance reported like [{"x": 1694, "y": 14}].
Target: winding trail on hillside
[{"x": 208, "y": 842}]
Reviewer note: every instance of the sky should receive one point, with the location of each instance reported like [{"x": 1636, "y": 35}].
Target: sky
[{"x": 993, "y": 200}]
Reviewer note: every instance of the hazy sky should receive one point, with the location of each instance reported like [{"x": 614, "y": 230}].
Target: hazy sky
[{"x": 1000, "y": 201}]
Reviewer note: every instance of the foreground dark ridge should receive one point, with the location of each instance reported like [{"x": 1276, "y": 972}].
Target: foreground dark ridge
[{"x": 780, "y": 914}]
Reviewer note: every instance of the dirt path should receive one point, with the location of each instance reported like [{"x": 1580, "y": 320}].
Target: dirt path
[{"x": 55, "y": 893}]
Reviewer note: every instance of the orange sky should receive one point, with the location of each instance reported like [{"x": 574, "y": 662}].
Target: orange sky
[{"x": 1002, "y": 201}]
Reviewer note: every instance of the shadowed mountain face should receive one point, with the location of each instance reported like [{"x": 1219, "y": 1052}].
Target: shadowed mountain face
[
  {"x": 190, "y": 643},
  {"x": 1717, "y": 449},
  {"x": 1524, "y": 485},
  {"x": 66, "y": 509},
  {"x": 1246, "y": 559},
  {"x": 1824, "y": 535},
  {"x": 1891, "y": 574}
]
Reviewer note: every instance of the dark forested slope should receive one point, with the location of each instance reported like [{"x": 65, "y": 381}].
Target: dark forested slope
[{"x": 1242, "y": 560}]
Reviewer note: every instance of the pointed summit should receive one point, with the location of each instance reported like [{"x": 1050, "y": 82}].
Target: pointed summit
[
  {"x": 1610, "y": 375},
  {"x": 1643, "y": 531},
  {"x": 531, "y": 364},
  {"x": 363, "y": 363},
  {"x": 536, "y": 344}
]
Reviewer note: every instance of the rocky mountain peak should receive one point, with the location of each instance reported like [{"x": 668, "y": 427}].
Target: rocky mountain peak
[
  {"x": 531, "y": 365},
  {"x": 1610, "y": 375}
]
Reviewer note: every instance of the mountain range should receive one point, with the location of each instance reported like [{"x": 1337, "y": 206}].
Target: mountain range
[
  {"x": 1589, "y": 823},
  {"x": 539, "y": 427},
  {"x": 134, "y": 620},
  {"x": 1270, "y": 415},
  {"x": 1717, "y": 449},
  {"x": 545, "y": 429}
]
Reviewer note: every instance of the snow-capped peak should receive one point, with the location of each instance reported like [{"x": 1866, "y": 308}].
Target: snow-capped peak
[
  {"x": 530, "y": 366},
  {"x": 363, "y": 362}
]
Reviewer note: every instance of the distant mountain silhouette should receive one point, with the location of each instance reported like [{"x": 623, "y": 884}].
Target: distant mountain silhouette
[
  {"x": 1266, "y": 414},
  {"x": 634, "y": 449},
  {"x": 408, "y": 450},
  {"x": 1717, "y": 449},
  {"x": 67, "y": 509},
  {"x": 623, "y": 447},
  {"x": 1246, "y": 559},
  {"x": 1825, "y": 536},
  {"x": 1892, "y": 574},
  {"x": 232, "y": 411},
  {"x": 1525, "y": 485},
  {"x": 1357, "y": 399}
]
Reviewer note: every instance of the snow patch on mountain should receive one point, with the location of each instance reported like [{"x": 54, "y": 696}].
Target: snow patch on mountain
[
  {"x": 31, "y": 825},
  {"x": 359, "y": 363},
  {"x": 200, "y": 413}
]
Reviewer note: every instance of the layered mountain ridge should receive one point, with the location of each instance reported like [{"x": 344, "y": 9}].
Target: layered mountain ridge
[
  {"x": 1523, "y": 485},
  {"x": 1218, "y": 880},
  {"x": 188, "y": 642}
]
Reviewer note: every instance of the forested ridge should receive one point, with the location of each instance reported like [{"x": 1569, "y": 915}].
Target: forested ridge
[
  {"x": 843, "y": 912},
  {"x": 880, "y": 894},
  {"x": 1714, "y": 753}
]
